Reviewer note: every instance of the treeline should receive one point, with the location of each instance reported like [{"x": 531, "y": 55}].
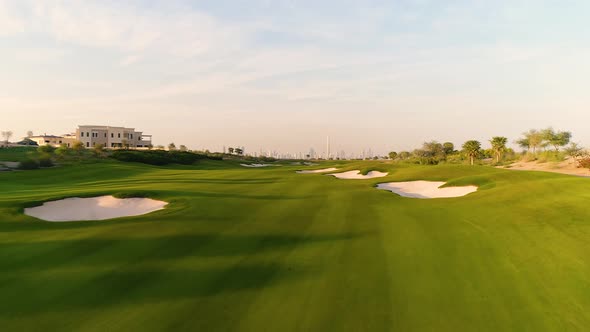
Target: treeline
[
  {"x": 47, "y": 156},
  {"x": 162, "y": 157},
  {"x": 546, "y": 144}
]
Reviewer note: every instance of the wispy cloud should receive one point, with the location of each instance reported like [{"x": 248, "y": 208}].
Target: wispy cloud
[{"x": 265, "y": 62}]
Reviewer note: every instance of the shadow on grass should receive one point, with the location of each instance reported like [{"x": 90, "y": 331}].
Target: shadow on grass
[
  {"x": 60, "y": 276},
  {"x": 18, "y": 258},
  {"x": 32, "y": 294}
]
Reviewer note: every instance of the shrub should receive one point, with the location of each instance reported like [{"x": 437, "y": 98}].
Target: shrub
[
  {"x": 584, "y": 162},
  {"x": 158, "y": 157},
  {"x": 46, "y": 149},
  {"x": 45, "y": 161},
  {"x": 28, "y": 164}
]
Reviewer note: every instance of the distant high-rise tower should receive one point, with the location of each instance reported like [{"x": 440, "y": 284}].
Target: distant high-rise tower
[{"x": 327, "y": 147}]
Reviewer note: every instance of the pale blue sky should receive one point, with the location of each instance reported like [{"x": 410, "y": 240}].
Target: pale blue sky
[{"x": 281, "y": 75}]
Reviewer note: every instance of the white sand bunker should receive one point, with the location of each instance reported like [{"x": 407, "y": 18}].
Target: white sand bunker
[
  {"x": 426, "y": 189},
  {"x": 94, "y": 208},
  {"x": 315, "y": 171},
  {"x": 356, "y": 175},
  {"x": 255, "y": 165}
]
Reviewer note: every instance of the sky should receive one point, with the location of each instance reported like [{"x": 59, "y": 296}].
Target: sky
[{"x": 284, "y": 74}]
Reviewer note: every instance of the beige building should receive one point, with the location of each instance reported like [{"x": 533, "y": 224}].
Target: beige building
[
  {"x": 107, "y": 136},
  {"x": 112, "y": 137},
  {"x": 53, "y": 140}
]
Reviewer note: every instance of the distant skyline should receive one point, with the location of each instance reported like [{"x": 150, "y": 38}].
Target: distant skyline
[{"x": 283, "y": 75}]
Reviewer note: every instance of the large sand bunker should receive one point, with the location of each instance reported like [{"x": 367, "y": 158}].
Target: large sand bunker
[
  {"x": 315, "y": 171},
  {"x": 255, "y": 165},
  {"x": 426, "y": 189},
  {"x": 94, "y": 208},
  {"x": 356, "y": 175}
]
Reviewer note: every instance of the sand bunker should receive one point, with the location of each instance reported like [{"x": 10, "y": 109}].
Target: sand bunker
[
  {"x": 356, "y": 175},
  {"x": 255, "y": 165},
  {"x": 94, "y": 208},
  {"x": 425, "y": 189},
  {"x": 315, "y": 171}
]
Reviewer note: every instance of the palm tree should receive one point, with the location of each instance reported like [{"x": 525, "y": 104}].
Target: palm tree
[
  {"x": 499, "y": 146},
  {"x": 472, "y": 148}
]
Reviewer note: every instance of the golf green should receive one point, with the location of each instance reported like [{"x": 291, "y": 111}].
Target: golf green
[{"x": 266, "y": 249}]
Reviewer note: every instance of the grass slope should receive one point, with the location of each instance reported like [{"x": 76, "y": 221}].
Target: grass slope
[{"x": 269, "y": 250}]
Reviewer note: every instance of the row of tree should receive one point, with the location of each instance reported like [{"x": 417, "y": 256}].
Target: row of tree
[
  {"x": 434, "y": 152},
  {"x": 534, "y": 139}
]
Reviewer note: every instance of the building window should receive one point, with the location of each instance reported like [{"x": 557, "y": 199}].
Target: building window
[
  {"x": 131, "y": 136},
  {"x": 119, "y": 135},
  {"x": 87, "y": 134},
  {"x": 112, "y": 135},
  {"x": 87, "y": 144},
  {"x": 105, "y": 135}
]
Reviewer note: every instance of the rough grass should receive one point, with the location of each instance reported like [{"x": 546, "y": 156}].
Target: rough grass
[{"x": 242, "y": 249}]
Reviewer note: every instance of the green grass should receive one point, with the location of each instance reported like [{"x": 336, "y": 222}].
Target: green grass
[
  {"x": 241, "y": 249},
  {"x": 17, "y": 153}
]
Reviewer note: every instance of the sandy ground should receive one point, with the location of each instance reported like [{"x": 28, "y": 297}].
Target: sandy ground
[
  {"x": 564, "y": 167},
  {"x": 425, "y": 189},
  {"x": 255, "y": 165},
  {"x": 94, "y": 208},
  {"x": 315, "y": 171},
  {"x": 356, "y": 175}
]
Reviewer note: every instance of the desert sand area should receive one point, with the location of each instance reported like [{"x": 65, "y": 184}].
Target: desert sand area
[
  {"x": 94, "y": 208},
  {"x": 316, "y": 171},
  {"x": 567, "y": 166},
  {"x": 426, "y": 189},
  {"x": 356, "y": 175}
]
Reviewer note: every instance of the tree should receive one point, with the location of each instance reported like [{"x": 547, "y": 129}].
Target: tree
[
  {"x": 172, "y": 146},
  {"x": 6, "y": 135},
  {"x": 523, "y": 143},
  {"x": 556, "y": 139},
  {"x": 62, "y": 150},
  {"x": 498, "y": 146},
  {"x": 430, "y": 153},
  {"x": 471, "y": 148},
  {"x": 78, "y": 147},
  {"x": 98, "y": 150},
  {"x": 159, "y": 147},
  {"x": 404, "y": 155},
  {"x": 448, "y": 148},
  {"x": 239, "y": 151},
  {"x": 230, "y": 150},
  {"x": 183, "y": 148},
  {"x": 575, "y": 151},
  {"x": 46, "y": 149},
  {"x": 125, "y": 144},
  {"x": 392, "y": 155},
  {"x": 532, "y": 140}
]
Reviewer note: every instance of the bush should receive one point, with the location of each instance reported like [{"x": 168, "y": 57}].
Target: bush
[
  {"x": 45, "y": 161},
  {"x": 28, "y": 164},
  {"x": 584, "y": 162},
  {"x": 158, "y": 157},
  {"x": 46, "y": 149}
]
